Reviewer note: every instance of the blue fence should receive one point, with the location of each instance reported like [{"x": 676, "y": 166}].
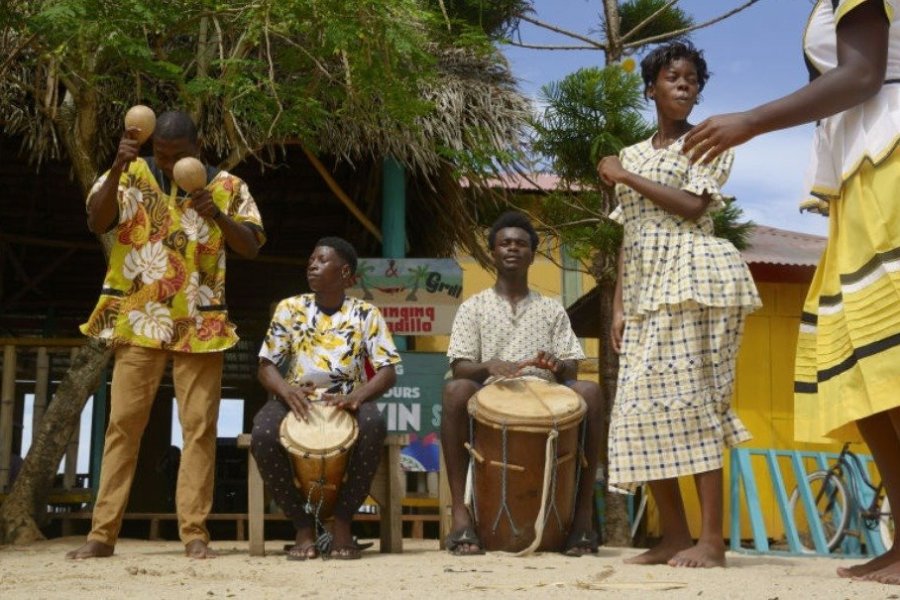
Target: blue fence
[{"x": 860, "y": 541}]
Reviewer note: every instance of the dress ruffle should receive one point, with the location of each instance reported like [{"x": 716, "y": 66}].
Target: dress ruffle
[{"x": 679, "y": 263}]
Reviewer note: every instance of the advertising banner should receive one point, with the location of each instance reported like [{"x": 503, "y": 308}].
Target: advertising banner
[{"x": 416, "y": 296}]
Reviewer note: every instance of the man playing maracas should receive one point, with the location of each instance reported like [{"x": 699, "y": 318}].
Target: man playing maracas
[{"x": 163, "y": 298}]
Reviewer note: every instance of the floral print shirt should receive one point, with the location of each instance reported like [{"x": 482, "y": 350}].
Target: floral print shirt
[
  {"x": 165, "y": 281},
  {"x": 328, "y": 350}
]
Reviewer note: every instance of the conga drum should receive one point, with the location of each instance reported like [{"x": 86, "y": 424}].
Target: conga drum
[
  {"x": 526, "y": 452},
  {"x": 319, "y": 449}
]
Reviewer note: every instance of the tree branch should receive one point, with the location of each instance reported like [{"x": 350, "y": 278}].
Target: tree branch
[
  {"x": 541, "y": 47},
  {"x": 565, "y": 32},
  {"x": 673, "y": 34}
]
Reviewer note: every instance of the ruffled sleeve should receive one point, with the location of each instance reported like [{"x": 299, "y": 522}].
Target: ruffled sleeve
[
  {"x": 709, "y": 178},
  {"x": 617, "y": 215}
]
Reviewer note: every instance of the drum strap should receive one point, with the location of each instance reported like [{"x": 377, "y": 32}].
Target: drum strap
[
  {"x": 323, "y": 536},
  {"x": 549, "y": 467}
]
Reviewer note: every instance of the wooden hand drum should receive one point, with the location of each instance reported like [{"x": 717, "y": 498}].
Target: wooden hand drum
[
  {"x": 319, "y": 450},
  {"x": 526, "y": 453}
]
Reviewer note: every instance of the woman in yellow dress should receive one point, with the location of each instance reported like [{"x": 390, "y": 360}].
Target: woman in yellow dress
[{"x": 848, "y": 351}]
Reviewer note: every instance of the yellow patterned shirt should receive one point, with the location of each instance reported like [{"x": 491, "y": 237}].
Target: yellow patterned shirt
[
  {"x": 328, "y": 350},
  {"x": 165, "y": 282}
]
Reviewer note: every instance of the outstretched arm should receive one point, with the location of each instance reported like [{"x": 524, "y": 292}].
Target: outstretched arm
[{"x": 862, "y": 45}]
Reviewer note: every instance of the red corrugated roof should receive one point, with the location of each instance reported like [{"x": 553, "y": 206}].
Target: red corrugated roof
[{"x": 770, "y": 245}]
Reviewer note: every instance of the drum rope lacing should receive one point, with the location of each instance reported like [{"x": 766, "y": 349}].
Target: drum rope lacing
[
  {"x": 579, "y": 464},
  {"x": 323, "y": 536}
]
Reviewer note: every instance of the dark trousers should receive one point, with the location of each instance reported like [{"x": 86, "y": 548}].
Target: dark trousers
[{"x": 278, "y": 472}]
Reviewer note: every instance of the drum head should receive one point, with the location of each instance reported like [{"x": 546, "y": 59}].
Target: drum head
[
  {"x": 330, "y": 430},
  {"x": 527, "y": 403}
]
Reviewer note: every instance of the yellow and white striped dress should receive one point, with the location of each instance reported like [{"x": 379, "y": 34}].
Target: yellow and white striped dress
[
  {"x": 686, "y": 294},
  {"x": 848, "y": 350}
]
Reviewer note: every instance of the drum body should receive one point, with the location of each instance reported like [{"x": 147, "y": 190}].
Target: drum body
[
  {"x": 509, "y": 475},
  {"x": 319, "y": 449}
]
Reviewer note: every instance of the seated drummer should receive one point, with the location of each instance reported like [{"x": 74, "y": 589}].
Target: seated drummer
[
  {"x": 324, "y": 339},
  {"x": 510, "y": 330}
]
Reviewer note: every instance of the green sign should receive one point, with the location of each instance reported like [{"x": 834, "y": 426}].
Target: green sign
[{"x": 413, "y": 405}]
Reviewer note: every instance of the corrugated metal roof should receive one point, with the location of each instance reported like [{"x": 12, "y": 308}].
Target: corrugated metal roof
[
  {"x": 770, "y": 245},
  {"x": 767, "y": 245}
]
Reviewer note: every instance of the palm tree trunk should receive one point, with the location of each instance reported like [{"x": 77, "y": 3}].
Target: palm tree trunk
[{"x": 26, "y": 504}]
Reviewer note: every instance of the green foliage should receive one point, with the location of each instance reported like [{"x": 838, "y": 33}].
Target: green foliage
[
  {"x": 591, "y": 113},
  {"x": 267, "y": 70},
  {"x": 493, "y": 17},
  {"x": 634, "y": 12},
  {"x": 727, "y": 224}
]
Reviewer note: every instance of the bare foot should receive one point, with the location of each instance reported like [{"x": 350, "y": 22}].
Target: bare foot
[
  {"x": 198, "y": 549},
  {"x": 659, "y": 554},
  {"x": 703, "y": 555},
  {"x": 889, "y": 574},
  {"x": 91, "y": 549},
  {"x": 876, "y": 564}
]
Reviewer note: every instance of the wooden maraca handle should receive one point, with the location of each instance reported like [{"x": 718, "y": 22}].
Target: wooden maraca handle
[
  {"x": 143, "y": 118},
  {"x": 189, "y": 174}
]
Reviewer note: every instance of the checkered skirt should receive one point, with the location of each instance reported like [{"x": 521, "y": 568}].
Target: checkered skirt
[{"x": 672, "y": 415}]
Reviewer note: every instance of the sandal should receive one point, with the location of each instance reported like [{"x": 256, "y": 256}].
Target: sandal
[
  {"x": 353, "y": 552},
  {"x": 581, "y": 543},
  {"x": 461, "y": 537},
  {"x": 305, "y": 551}
]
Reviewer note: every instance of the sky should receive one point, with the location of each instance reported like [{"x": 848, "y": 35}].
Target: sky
[{"x": 754, "y": 56}]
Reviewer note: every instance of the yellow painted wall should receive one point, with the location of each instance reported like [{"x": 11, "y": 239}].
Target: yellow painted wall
[
  {"x": 764, "y": 401},
  {"x": 763, "y": 389},
  {"x": 544, "y": 277}
]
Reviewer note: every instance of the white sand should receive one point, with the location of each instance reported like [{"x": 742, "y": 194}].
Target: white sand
[{"x": 159, "y": 571}]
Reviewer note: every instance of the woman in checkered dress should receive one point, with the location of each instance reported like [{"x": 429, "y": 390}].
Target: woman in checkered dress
[{"x": 682, "y": 295}]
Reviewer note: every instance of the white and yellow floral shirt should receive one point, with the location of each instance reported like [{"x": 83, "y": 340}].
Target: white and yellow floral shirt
[
  {"x": 165, "y": 282},
  {"x": 328, "y": 350}
]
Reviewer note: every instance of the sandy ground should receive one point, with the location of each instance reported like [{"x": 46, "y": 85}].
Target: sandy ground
[{"x": 159, "y": 571}]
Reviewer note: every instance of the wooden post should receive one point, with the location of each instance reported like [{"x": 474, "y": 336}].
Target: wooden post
[
  {"x": 41, "y": 388},
  {"x": 7, "y": 404},
  {"x": 70, "y": 471},
  {"x": 444, "y": 503},
  {"x": 255, "y": 499}
]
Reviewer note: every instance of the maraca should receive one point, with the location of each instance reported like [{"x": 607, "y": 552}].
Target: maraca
[
  {"x": 143, "y": 118},
  {"x": 189, "y": 174}
]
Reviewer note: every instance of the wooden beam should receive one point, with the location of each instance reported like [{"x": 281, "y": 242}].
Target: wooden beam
[
  {"x": 48, "y": 270},
  {"x": 7, "y": 404},
  {"x": 70, "y": 472},
  {"x": 49, "y": 343},
  {"x": 41, "y": 388},
  {"x": 342, "y": 196}
]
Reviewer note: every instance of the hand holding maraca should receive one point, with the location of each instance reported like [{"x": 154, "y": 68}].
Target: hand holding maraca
[
  {"x": 140, "y": 121},
  {"x": 190, "y": 175}
]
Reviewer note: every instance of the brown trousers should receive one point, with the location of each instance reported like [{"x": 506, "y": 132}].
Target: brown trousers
[{"x": 198, "y": 386}]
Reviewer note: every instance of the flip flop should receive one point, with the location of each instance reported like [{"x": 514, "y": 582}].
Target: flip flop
[
  {"x": 581, "y": 543},
  {"x": 353, "y": 552},
  {"x": 458, "y": 538},
  {"x": 301, "y": 552}
]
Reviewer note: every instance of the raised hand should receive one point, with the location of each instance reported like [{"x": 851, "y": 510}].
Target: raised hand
[
  {"x": 717, "y": 134},
  {"x": 202, "y": 202},
  {"x": 128, "y": 149}
]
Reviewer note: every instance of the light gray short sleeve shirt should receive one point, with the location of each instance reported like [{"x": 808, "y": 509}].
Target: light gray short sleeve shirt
[{"x": 486, "y": 327}]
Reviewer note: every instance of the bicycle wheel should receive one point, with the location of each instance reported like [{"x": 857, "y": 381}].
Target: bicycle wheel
[
  {"x": 886, "y": 524},
  {"x": 832, "y": 507}
]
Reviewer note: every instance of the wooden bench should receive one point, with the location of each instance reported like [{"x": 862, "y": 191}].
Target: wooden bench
[
  {"x": 154, "y": 518},
  {"x": 387, "y": 490}
]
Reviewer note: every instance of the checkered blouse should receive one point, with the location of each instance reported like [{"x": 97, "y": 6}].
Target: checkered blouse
[{"x": 669, "y": 259}]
